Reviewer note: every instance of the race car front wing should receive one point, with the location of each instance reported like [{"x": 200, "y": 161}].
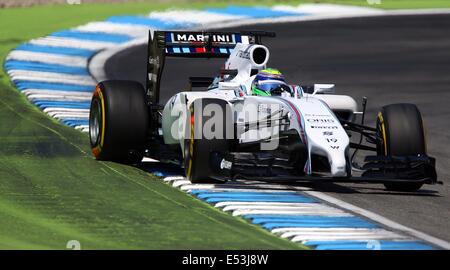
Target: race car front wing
[{"x": 377, "y": 169}]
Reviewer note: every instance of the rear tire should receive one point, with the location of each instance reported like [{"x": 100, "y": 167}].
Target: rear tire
[
  {"x": 198, "y": 161},
  {"x": 401, "y": 128},
  {"x": 118, "y": 121}
]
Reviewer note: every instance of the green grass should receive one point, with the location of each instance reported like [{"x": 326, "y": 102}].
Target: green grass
[{"x": 51, "y": 189}]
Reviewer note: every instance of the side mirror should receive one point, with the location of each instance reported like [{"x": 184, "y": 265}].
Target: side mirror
[{"x": 324, "y": 89}]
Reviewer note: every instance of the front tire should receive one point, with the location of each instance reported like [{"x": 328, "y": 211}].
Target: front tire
[
  {"x": 401, "y": 128},
  {"x": 198, "y": 160},
  {"x": 118, "y": 121}
]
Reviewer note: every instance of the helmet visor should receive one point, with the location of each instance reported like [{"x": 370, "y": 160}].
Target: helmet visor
[
  {"x": 273, "y": 87},
  {"x": 269, "y": 85}
]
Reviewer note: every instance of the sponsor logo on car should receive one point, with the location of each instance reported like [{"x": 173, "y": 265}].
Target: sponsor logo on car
[{"x": 186, "y": 37}]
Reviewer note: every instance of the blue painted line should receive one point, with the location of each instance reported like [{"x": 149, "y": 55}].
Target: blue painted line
[
  {"x": 286, "y": 199},
  {"x": 256, "y": 195},
  {"x": 23, "y": 85},
  {"x": 362, "y": 245},
  {"x": 274, "y": 216},
  {"x": 347, "y": 242},
  {"x": 154, "y": 23},
  {"x": 253, "y": 12},
  {"x": 359, "y": 247},
  {"x": 353, "y": 222},
  {"x": 92, "y": 36},
  {"x": 208, "y": 191},
  {"x": 56, "y": 50},
  {"x": 299, "y": 224},
  {"x": 37, "y": 66},
  {"x": 45, "y": 106},
  {"x": 66, "y": 105},
  {"x": 63, "y": 102},
  {"x": 312, "y": 221},
  {"x": 282, "y": 218},
  {"x": 75, "y": 122}
]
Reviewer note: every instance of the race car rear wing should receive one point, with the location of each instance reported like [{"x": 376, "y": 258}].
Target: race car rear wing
[{"x": 190, "y": 44}]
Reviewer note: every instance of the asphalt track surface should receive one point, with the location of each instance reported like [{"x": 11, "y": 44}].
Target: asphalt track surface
[{"x": 388, "y": 59}]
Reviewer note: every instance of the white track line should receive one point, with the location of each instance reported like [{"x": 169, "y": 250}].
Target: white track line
[
  {"x": 83, "y": 128},
  {"x": 203, "y": 18},
  {"x": 258, "y": 208},
  {"x": 50, "y": 58},
  {"x": 290, "y": 212},
  {"x": 337, "y": 238},
  {"x": 299, "y": 207},
  {"x": 68, "y": 114},
  {"x": 59, "y": 97},
  {"x": 66, "y": 110},
  {"x": 51, "y": 77},
  {"x": 224, "y": 204},
  {"x": 328, "y": 9},
  {"x": 325, "y": 230},
  {"x": 115, "y": 28},
  {"x": 361, "y": 233},
  {"x": 305, "y": 212},
  {"x": 247, "y": 187},
  {"x": 173, "y": 178},
  {"x": 62, "y": 93},
  {"x": 379, "y": 219},
  {"x": 62, "y": 116},
  {"x": 72, "y": 43},
  {"x": 178, "y": 183}
]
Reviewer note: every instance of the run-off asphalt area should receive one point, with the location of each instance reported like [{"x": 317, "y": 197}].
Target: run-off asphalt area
[{"x": 392, "y": 59}]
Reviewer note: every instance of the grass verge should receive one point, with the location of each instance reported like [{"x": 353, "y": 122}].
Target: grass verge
[{"x": 53, "y": 191}]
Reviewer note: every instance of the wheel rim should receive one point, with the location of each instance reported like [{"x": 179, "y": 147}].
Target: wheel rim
[{"x": 95, "y": 122}]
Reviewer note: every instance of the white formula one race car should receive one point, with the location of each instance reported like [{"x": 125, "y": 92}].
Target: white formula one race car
[{"x": 227, "y": 130}]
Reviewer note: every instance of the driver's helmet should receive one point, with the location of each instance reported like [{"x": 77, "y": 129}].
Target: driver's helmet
[{"x": 270, "y": 82}]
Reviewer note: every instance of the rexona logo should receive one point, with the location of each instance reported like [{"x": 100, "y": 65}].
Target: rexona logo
[{"x": 187, "y": 37}]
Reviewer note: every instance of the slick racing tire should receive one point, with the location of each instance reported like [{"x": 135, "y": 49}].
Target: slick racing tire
[
  {"x": 401, "y": 128},
  {"x": 200, "y": 149},
  {"x": 118, "y": 121}
]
